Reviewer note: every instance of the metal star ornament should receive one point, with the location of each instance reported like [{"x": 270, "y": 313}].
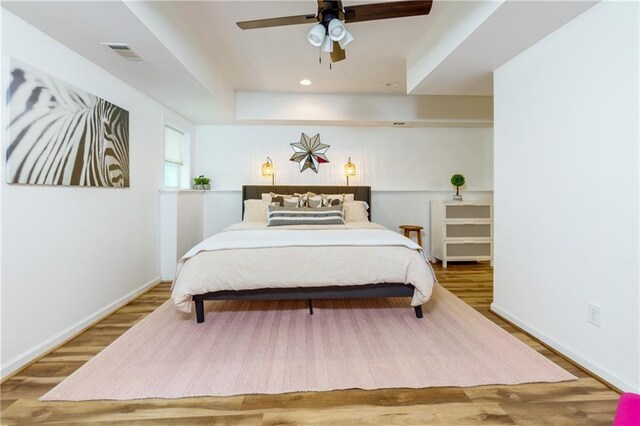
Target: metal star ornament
[{"x": 309, "y": 152}]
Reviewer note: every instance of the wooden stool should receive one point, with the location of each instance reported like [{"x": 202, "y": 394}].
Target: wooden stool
[{"x": 408, "y": 229}]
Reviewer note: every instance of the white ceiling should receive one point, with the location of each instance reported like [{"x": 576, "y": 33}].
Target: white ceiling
[
  {"x": 508, "y": 30},
  {"x": 84, "y": 25},
  {"x": 276, "y": 59},
  {"x": 199, "y": 58}
]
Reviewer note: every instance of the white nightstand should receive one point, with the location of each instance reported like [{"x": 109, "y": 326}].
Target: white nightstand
[{"x": 461, "y": 230}]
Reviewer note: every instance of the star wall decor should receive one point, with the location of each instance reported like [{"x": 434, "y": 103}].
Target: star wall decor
[{"x": 309, "y": 152}]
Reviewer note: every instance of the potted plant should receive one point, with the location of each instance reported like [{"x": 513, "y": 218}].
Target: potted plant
[
  {"x": 205, "y": 183},
  {"x": 457, "y": 180},
  {"x": 197, "y": 182}
]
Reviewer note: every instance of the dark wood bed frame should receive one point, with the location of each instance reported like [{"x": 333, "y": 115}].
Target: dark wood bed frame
[{"x": 360, "y": 193}]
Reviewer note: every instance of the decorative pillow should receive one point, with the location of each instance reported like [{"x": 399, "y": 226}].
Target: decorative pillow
[
  {"x": 332, "y": 200},
  {"x": 305, "y": 199},
  {"x": 279, "y": 216},
  {"x": 285, "y": 200},
  {"x": 293, "y": 202},
  {"x": 336, "y": 199},
  {"x": 314, "y": 201},
  {"x": 255, "y": 211},
  {"x": 356, "y": 211}
]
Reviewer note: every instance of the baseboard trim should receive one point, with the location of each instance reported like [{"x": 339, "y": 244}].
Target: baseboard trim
[
  {"x": 28, "y": 357},
  {"x": 572, "y": 355}
]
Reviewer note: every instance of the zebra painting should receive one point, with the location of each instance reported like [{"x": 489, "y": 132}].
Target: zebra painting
[{"x": 58, "y": 134}]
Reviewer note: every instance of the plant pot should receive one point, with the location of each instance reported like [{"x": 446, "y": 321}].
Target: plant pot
[
  {"x": 198, "y": 187},
  {"x": 206, "y": 187},
  {"x": 457, "y": 197}
]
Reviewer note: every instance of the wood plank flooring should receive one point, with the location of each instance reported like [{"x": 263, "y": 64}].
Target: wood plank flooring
[{"x": 582, "y": 402}]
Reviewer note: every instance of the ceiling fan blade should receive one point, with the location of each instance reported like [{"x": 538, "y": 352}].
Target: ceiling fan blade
[
  {"x": 374, "y": 11},
  {"x": 338, "y": 54},
  {"x": 277, "y": 22}
]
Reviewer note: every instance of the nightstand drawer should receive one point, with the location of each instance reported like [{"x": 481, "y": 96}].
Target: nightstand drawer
[
  {"x": 467, "y": 211},
  {"x": 468, "y": 249},
  {"x": 468, "y": 230}
]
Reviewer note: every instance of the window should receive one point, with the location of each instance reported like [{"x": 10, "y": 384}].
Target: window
[{"x": 173, "y": 157}]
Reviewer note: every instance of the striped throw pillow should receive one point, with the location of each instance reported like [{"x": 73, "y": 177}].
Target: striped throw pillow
[{"x": 279, "y": 216}]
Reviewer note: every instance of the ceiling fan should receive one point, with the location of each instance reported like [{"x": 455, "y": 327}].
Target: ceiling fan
[{"x": 329, "y": 33}]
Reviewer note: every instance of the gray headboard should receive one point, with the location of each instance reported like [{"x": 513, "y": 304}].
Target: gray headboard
[{"x": 254, "y": 192}]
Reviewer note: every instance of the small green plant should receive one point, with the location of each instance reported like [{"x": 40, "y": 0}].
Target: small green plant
[
  {"x": 198, "y": 180},
  {"x": 205, "y": 180},
  {"x": 457, "y": 180}
]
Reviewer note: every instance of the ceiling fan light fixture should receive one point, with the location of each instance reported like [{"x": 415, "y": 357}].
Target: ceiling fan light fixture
[
  {"x": 327, "y": 45},
  {"x": 348, "y": 38},
  {"x": 336, "y": 29},
  {"x": 316, "y": 35}
]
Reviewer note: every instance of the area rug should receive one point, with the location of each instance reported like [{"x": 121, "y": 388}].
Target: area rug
[{"x": 276, "y": 347}]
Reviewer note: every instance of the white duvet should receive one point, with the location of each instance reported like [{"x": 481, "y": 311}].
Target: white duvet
[{"x": 249, "y": 256}]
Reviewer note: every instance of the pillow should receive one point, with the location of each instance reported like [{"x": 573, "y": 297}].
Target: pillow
[
  {"x": 356, "y": 211},
  {"x": 314, "y": 201},
  {"x": 255, "y": 211},
  {"x": 279, "y": 216},
  {"x": 336, "y": 199},
  {"x": 332, "y": 200},
  {"x": 284, "y": 200},
  {"x": 292, "y": 202}
]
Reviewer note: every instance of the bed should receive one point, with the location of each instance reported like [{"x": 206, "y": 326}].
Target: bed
[{"x": 251, "y": 261}]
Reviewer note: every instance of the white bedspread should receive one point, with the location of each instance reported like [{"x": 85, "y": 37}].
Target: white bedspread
[{"x": 250, "y": 256}]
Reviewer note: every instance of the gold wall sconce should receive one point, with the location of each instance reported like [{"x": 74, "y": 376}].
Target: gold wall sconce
[
  {"x": 269, "y": 171},
  {"x": 349, "y": 170}
]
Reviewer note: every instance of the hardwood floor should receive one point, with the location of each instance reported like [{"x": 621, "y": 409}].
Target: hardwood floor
[{"x": 582, "y": 402}]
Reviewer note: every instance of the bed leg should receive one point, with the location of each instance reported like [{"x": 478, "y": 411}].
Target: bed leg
[
  {"x": 199, "y": 310},
  {"x": 418, "y": 310},
  {"x": 310, "y": 305}
]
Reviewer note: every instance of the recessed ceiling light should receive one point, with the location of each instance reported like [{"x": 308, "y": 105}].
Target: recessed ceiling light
[
  {"x": 392, "y": 83},
  {"x": 305, "y": 82}
]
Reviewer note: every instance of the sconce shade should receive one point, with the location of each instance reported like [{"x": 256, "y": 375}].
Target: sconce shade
[
  {"x": 348, "y": 38},
  {"x": 327, "y": 45},
  {"x": 336, "y": 30},
  {"x": 316, "y": 35},
  {"x": 267, "y": 168},
  {"x": 350, "y": 168}
]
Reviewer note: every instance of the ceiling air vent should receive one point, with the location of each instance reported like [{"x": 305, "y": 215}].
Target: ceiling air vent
[{"x": 126, "y": 52}]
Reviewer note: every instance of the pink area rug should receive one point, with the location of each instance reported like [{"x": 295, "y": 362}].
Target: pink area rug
[{"x": 277, "y": 347}]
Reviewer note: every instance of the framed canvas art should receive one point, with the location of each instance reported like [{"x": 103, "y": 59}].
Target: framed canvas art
[{"x": 58, "y": 134}]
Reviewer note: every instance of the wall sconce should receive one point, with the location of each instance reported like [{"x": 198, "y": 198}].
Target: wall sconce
[
  {"x": 269, "y": 170},
  {"x": 349, "y": 170}
]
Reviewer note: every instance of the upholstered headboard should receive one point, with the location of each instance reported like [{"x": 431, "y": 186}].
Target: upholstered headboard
[{"x": 254, "y": 192}]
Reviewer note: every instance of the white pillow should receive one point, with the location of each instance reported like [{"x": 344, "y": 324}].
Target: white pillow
[
  {"x": 356, "y": 211},
  {"x": 255, "y": 211}
]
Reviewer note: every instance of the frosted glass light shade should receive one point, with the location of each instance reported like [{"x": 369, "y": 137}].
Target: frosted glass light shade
[
  {"x": 316, "y": 35},
  {"x": 348, "y": 38},
  {"x": 327, "y": 45},
  {"x": 336, "y": 30}
]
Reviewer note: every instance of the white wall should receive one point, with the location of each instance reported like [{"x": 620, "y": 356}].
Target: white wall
[
  {"x": 406, "y": 167},
  {"x": 331, "y": 109},
  {"x": 566, "y": 190},
  {"x": 180, "y": 227},
  {"x": 71, "y": 253}
]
